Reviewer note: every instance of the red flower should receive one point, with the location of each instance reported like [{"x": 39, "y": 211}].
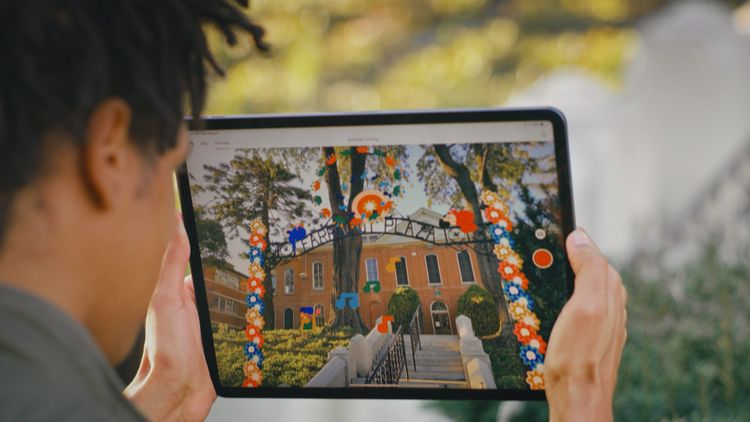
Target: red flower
[
  {"x": 505, "y": 222},
  {"x": 257, "y": 241},
  {"x": 493, "y": 215},
  {"x": 537, "y": 342},
  {"x": 521, "y": 281},
  {"x": 508, "y": 271},
  {"x": 524, "y": 332}
]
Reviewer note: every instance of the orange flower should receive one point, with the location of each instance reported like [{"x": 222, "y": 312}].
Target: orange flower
[
  {"x": 502, "y": 251},
  {"x": 256, "y": 226},
  {"x": 490, "y": 199},
  {"x": 519, "y": 312},
  {"x": 535, "y": 379},
  {"x": 254, "y": 318},
  {"x": 253, "y": 374},
  {"x": 514, "y": 259},
  {"x": 531, "y": 320},
  {"x": 363, "y": 150},
  {"x": 508, "y": 271},
  {"x": 256, "y": 271}
]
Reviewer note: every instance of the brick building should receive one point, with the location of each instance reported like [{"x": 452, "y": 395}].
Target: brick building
[
  {"x": 439, "y": 274},
  {"x": 226, "y": 291}
]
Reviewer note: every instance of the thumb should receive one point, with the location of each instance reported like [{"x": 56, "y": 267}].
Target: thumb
[
  {"x": 175, "y": 258},
  {"x": 589, "y": 265}
]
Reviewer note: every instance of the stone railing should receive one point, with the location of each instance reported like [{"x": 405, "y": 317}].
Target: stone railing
[
  {"x": 355, "y": 362},
  {"x": 477, "y": 365}
]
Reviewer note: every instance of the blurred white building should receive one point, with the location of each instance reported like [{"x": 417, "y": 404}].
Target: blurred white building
[{"x": 640, "y": 157}]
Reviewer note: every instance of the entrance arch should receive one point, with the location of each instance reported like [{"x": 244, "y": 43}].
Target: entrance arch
[
  {"x": 288, "y": 319},
  {"x": 441, "y": 318}
]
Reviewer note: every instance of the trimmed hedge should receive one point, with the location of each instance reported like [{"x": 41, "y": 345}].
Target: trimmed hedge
[
  {"x": 402, "y": 305},
  {"x": 477, "y": 304}
]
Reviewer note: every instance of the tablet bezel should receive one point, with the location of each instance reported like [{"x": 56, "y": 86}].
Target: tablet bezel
[{"x": 370, "y": 119}]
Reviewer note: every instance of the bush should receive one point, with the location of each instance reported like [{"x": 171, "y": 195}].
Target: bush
[
  {"x": 402, "y": 305},
  {"x": 477, "y": 304},
  {"x": 290, "y": 356}
]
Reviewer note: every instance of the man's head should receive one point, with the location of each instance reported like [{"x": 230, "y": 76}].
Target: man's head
[{"x": 92, "y": 96}]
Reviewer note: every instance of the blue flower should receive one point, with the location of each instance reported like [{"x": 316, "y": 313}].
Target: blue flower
[
  {"x": 254, "y": 353},
  {"x": 499, "y": 233},
  {"x": 255, "y": 302},
  {"x": 516, "y": 294},
  {"x": 531, "y": 356},
  {"x": 256, "y": 255}
]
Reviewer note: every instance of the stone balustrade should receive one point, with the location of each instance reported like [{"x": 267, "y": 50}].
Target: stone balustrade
[
  {"x": 346, "y": 364},
  {"x": 477, "y": 365}
]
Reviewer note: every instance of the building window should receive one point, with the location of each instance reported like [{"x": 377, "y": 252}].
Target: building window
[
  {"x": 402, "y": 277},
  {"x": 288, "y": 319},
  {"x": 289, "y": 281},
  {"x": 372, "y": 269},
  {"x": 318, "y": 275},
  {"x": 273, "y": 280},
  {"x": 223, "y": 304},
  {"x": 433, "y": 269},
  {"x": 464, "y": 264},
  {"x": 320, "y": 315},
  {"x": 370, "y": 238},
  {"x": 228, "y": 279}
]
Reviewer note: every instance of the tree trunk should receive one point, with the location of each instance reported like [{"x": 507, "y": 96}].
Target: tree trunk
[
  {"x": 269, "y": 315},
  {"x": 488, "y": 263},
  {"x": 347, "y": 251}
]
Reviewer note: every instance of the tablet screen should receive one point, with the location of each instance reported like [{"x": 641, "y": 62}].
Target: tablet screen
[{"x": 418, "y": 256}]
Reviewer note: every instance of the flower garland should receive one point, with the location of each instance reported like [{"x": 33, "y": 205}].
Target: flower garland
[
  {"x": 255, "y": 307},
  {"x": 533, "y": 347}
]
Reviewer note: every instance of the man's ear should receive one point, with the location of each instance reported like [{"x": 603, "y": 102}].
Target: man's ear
[{"x": 107, "y": 152}]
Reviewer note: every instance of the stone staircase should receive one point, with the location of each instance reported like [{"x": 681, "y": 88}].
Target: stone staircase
[{"x": 439, "y": 363}]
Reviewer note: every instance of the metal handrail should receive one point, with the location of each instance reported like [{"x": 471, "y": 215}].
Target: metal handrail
[
  {"x": 415, "y": 328},
  {"x": 388, "y": 369}
]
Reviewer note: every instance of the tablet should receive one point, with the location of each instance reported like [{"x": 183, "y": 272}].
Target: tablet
[{"x": 414, "y": 255}]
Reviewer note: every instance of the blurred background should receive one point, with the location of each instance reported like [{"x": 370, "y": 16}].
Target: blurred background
[{"x": 657, "y": 97}]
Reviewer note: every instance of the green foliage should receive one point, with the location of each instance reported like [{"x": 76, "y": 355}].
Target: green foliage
[
  {"x": 291, "y": 357},
  {"x": 548, "y": 287},
  {"x": 477, "y": 304},
  {"x": 402, "y": 305},
  {"x": 212, "y": 241},
  {"x": 688, "y": 352}
]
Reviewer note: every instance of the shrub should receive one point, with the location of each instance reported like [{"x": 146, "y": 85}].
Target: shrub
[
  {"x": 477, "y": 304},
  {"x": 402, "y": 305}
]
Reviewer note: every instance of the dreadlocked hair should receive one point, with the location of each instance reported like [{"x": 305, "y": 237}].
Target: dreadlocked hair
[{"x": 60, "y": 58}]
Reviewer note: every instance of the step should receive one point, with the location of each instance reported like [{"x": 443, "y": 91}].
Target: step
[
  {"x": 430, "y": 384},
  {"x": 436, "y": 375},
  {"x": 437, "y": 361},
  {"x": 437, "y": 354},
  {"x": 452, "y": 369}
]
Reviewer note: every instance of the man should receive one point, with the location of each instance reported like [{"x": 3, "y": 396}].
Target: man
[{"x": 92, "y": 95}]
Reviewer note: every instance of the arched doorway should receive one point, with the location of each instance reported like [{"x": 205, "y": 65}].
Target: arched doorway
[
  {"x": 288, "y": 319},
  {"x": 441, "y": 318},
  {"x": 375, "y": 312}
]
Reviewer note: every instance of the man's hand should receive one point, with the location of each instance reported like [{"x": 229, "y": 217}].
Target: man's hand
[
  {"x": 587, "y": 340},
  {"x": 173, "y": 382}
]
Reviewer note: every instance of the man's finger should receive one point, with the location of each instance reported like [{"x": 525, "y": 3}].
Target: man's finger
[
  {"x": 190, "y": 288},
  {"x": 175, "y": 258},
  {"x": 589, "y": 265}
]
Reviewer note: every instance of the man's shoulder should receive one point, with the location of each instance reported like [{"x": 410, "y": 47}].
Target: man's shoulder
[{"x": 52, "y": 370}]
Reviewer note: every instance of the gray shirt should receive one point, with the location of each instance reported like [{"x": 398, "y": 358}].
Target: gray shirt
[{"x": 51, "y": 369}]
